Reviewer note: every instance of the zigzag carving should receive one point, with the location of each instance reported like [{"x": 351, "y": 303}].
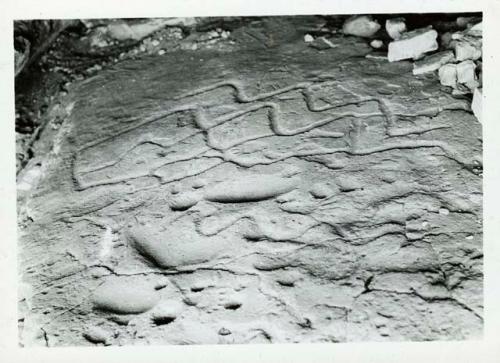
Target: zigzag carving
[{"x": 90, "y": 169}]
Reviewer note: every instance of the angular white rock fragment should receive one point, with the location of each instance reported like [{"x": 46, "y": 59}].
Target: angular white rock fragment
[
  {"x": 467, "y": 50},
  {"x": 433, "y": 62},
  {"x": 308, "y": 38},
  {"x": 124, "y": 31},
  {"x": 361, "y": 26},
  {"x": 476, "y": 30},
  {"x": 466, "y": 72},
  {"x": 186, "y": 22},
  {"x": 376, "y": 43},
  {"x": 413, "y": 44},
  {"x": 448, "y": 75},
  {"x": 395, "y": 27},
  {"x": 477, "y": 104}
]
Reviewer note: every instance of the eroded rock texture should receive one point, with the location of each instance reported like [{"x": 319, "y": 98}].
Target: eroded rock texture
[{"x": 276, "y": 194}]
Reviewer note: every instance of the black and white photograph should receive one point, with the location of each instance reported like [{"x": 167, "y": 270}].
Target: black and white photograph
[
  {"x": 260, "y": 179},
  {"x": 279, "y": 179}
]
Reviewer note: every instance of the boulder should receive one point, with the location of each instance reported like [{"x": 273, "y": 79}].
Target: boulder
[
  {"x": 433, "y": 62},
  {"x": 413, "y": 45},
  {"x": 395, "y": 27},
  {"x": 361, "y": 26}
]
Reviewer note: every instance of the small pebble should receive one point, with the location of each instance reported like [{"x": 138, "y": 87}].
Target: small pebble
[
  {"x": 97, "y": 335},
  {"x": 376, "y": 43},
  {"x": 161, "y": 52},
  {"x": 444, "y": 211},
  {"x": 308, "y": 38}
]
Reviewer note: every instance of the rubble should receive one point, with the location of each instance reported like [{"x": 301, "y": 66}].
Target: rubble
[
  {"x": 361, "y": 26},
  {"x": 448, "y": 75},
  {"x": 477, "y": 104},
  {"x": 413, "y": 45},
  {"x": 395, "y": 27},
  {"x": 433, "y": 62}
]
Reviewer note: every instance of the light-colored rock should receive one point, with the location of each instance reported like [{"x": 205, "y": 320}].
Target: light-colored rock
[
  {"x": 476, "y": 30},
  {"x": 308, "y": 38},
  {"x": 395, "y": 27},
  {"x": 448, "y": 75},
  {"x": 466, "y": 72},
  {"x": 172, "y": 249},
  {"x": 97, "y": 334},
  {"x": 361, "y": 26},
  {"x": 124, "y": 31},
  {"x": 376, "y": 43},
  {"x": 477, "y": 104},
  {"x": 433, "y": 62},
  {"x": 413, "y": 44},
  {"x": 250, "y": 188},
  {"x": 467, "y": 49},
  {"x": 185, "y": 22},
  {"x": 444, "y": 211},
  {"x": 124, "y": 296}
]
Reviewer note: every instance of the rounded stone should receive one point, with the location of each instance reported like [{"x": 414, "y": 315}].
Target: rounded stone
[{"x": 124, "y": 296}]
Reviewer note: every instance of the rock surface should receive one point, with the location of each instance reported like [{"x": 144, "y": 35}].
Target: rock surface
[{"x": 271, "y": 192}]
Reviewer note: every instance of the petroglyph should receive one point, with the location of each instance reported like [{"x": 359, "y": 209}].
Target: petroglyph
[
  {"x": 283, "y": 194},
  {"x": 150, "y": 151}
]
